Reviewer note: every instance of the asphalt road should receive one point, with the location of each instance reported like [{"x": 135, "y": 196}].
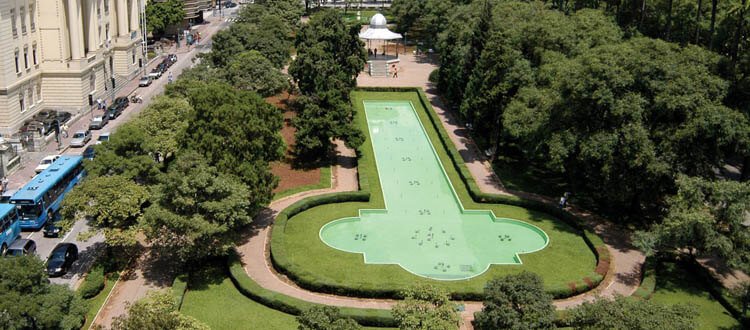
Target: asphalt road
[{"x": 90, "y": 248}]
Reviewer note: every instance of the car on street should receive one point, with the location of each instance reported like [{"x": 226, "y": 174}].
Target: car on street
[
  {"x": 117, "y": 107},
  {"x": 52, "y": 228},
  {"x": 104, "y": 137},
  {"x": 63, "y": 116},
  {"x": 144, "y": 82},
  {"x": 89, "y": 153},
  {"x": 154, "y": 75},
  {"x": 80, "y": 139},
  {"x": 46, "y": 162},
  {"x": 99, "y": 122},
  {"x": 61, "y": 259},
  {"x": 21, "y": 247},
  {"x": 229, "y": 4},
  {"x": 122, "y": 101}
]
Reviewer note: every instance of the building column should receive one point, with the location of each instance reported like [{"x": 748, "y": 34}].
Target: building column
[
  {"x": 75, "y": 29},
  {"x": 93, "y": 22},
  {"x": 122, "y": 18},
  {"x": 134, "y": 15}
]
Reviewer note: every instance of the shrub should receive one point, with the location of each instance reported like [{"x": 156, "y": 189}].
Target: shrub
[
  {"x": 94, "y": 282},
  {"x": 433, "y": 78}
]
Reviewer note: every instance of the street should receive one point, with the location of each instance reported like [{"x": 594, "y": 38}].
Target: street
[{"x": 90, "y": 248}]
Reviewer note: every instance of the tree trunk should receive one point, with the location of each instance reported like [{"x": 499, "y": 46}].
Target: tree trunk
[
  {"x": 669, "y": 20},
  {"x": 643, "y": 13},
  {"x": 745, "y": 168},
  {"x": 698, "y": 22},
  {"x": 737, "y": 35},
  {"x": 714, "y": 4}
]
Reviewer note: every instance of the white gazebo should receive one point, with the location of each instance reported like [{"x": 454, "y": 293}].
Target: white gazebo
[{"x": 378, "y": 30}]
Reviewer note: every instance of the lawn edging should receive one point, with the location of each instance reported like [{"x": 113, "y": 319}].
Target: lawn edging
[
  {"x": 325, "y": 182},
  {"x": 294, "y": 306},
  {"x": 279, "y": 256}
]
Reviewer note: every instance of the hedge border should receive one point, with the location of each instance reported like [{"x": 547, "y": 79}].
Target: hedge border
[
  {"x": 576, "y": 286},
  {"x": 648, "y": 279},
  {"x": 179, "y": 289},
  {"x": 294, "y": 306}
]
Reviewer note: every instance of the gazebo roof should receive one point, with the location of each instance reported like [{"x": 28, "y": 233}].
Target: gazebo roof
[{"x": 378, "y": 29}]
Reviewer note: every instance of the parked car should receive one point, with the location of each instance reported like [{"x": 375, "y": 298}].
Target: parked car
[
  {"x": 229, "y": 4},
  {"x": 52, "y": 227},
  {"x": 154, "y": 75},
  {"x": 144, "y": 82},
  {"x": 46, "y": 162},
  {"x": 114, "y": 111},
  {"x": 99, "y": 122},
  {"x": 104, "y": 137},
  {"x": 44, "y": 115},
  {"x": 89, "y": 153},
  {"x": 122, "y": 101},
  {"x": 80, "y": 138},
  {"x": 63, "y": 116},
  {"x": 21, "y": 247},
  {"x": 162, "y": 67},
  {"x": 172, "y": 58},
  {"x": 61, "y": 259}
]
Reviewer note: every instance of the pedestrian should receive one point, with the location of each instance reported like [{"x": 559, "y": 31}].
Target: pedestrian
[
  {"x": 5, "y": 183},
  {"x": 169, "y": 78},
  {"x": 64, "y": 130},
  {"x": 395, "y": 71},
  {"x": 563, "y": 201},
  {"x": 376, "y": 52}
]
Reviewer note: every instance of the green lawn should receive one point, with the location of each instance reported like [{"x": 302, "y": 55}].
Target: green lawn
[
  {"x": 213, "y": 299},
  {"x": 97, "y": 301},
  {"x": 567, "y": 258},
  {"x": 676, "y": 285}
]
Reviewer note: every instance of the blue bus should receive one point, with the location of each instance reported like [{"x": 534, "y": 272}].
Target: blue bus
[
  {"x": 10, "y": 228},
  {"x": 38, "y": 200}
]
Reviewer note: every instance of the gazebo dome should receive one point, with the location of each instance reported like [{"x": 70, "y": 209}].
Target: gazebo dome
[{"x": 378, "y": 21}]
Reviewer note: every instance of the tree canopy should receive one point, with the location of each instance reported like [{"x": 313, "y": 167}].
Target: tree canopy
[
  {"x": 29, "y": 301},
  {"x": 628, "y": 313},
  {"x": 426, "y": 307},
  {"x": 157, "y": 311},
  {"x": 516, "y": 302},
  {"x": 251, "y": 71},
  {"x": 162, "y": 14},
  {"x": 325, "y": 318}
]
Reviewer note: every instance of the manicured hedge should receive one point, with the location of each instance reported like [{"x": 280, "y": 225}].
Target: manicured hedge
[
  {"x": 179, "y": 288},
  {"x": 294, "y": 306},
  {"x": 93, "y": 283}
]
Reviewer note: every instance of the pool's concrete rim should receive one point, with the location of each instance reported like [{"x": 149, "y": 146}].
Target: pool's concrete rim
[{"x": 455, "y": 197}]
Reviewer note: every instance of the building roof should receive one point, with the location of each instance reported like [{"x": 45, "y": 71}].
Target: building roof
[{"x": 378, "y": 29}]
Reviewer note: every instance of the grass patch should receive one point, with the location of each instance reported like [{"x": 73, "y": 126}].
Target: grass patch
[
  {"x": 213, "y": 299},
  {"x": 325, "y": 182},
  {"x": 675, "y": 284},
  {"x": 96, "y": 302},
  {"x": 302, "y": 254}
]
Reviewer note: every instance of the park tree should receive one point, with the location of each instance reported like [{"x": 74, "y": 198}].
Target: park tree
[
  {"x": 426, "y": 307},
  {"x": 29, "y": 301},
  {"x": 236, "y": 131},
  {"x": 330, "y": 55},
  {"x": 741, "y": 292},
  {"x": 251, "y": 71},
  {"x": 516, "y": 302},
  {"x": 704, "y": 217},
  {"x": 158, "y": 310},
  {"x": 162, "y": 14},
  {"x": 319, "y": 120},
  {"x": 626, "y": 313},
  {"x": 290, "y": 11},
  {"x": 163, "y": 122},
  {"x": 124, "y": 155},
  {"x": 197, "y": 210},
  {"x": 325, "y": 318},
  {"x": 107, "y": 202}
]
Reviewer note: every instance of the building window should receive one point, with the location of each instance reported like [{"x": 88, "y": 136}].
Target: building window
[
  {"x": 23, "y": 20},
  {"x": 33, "y": 54},
  {"x": 31, "y": 96},
  {"x": 18, "y": 69},
  {"x": 32, "y": 19},
  {"x": 106, "y": 31},
  {"x": 22, "y": 101},
  {"x": 39, "y": 92},
  {"x": 26, "y": 57},
  {"x": 133, "y": 56},
  {"x": 13, "y": 22}
]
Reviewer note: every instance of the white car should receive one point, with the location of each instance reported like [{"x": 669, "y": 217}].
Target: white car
[
  {"x": 104, "y": 137},
  {"x": 46, "y": 162},
  {"x": 80, "y": 139}
]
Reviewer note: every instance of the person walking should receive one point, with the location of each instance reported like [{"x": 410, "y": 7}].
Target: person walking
[
  {"x": 5, "y": 183},
  {"x": 169, "y": 77},
  {"x": 64, "y": 130},
  {"x": 395, "y": 71}
]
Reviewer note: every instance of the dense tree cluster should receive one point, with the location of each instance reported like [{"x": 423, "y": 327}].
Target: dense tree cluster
[
  {"x": 426, "y": 307},
  {"x": 162, "y": 14},
  {"x": 629, "y": 313},
  {"x": 29, "y": 301},
  {"x": 158, "y": 310},
  {"x": 325, "y": 318},
  {"x": 618, "y": 116},
  {"x": 329, "y": 58},
  {"x": 516, "y": 302}
]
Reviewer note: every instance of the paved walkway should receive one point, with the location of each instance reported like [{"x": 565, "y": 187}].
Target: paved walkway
[{"x": 623, "y": 277}]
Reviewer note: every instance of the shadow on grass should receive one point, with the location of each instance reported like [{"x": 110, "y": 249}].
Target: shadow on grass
[{"x": 212, "y": 272}]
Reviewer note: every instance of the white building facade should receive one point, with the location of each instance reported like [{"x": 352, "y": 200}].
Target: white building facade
[{"x": 55, "y": 53}]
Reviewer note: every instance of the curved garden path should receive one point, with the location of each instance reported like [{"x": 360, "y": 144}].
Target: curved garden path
[{"x": 623, "y": 277}]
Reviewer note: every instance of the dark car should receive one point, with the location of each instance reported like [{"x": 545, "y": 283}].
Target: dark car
[
  {"x": 162, "y": 67},
  {"x": 89, "y": 153},
  {"x": 44, "y": 115},
  {"x": 63, "y": 116},
  {"x": 122, "y": 101},
  {"x": 21, "y": 247},
  {"x": 52, "y": 228},
  {"x": 114, "y": 111},
  {"x": 229, "y": 4},
  {"x": 61, "y": 259},
  {"x": 172, "y": 58}
]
